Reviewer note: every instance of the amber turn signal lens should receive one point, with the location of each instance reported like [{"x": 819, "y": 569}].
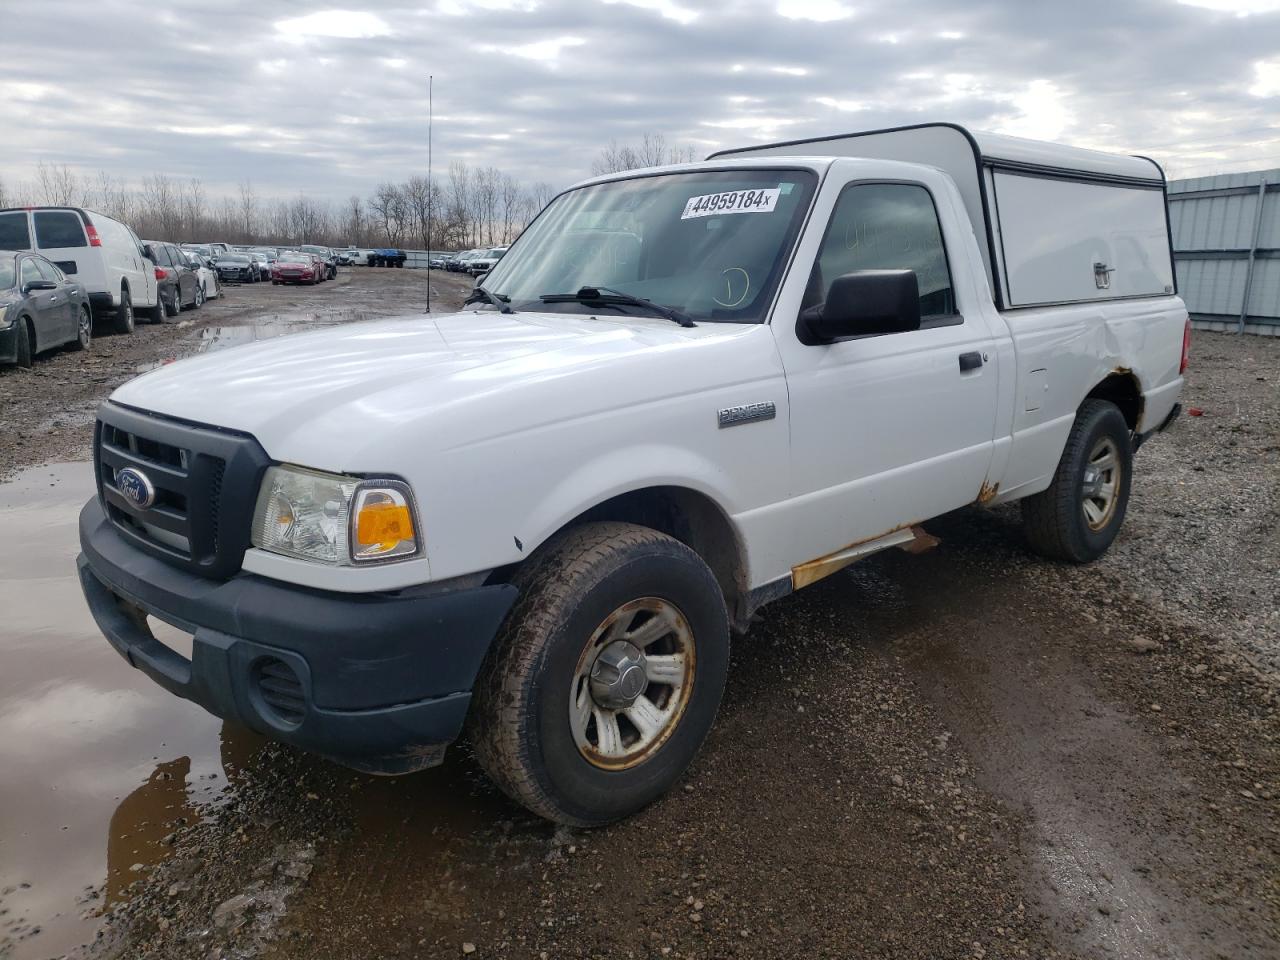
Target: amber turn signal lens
[{"x": 384, "y": 524}]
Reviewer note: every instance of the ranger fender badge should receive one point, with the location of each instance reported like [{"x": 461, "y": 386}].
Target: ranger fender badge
[
  {"x": 136, "y": 487},
  {"x": 747, "y": 413}
]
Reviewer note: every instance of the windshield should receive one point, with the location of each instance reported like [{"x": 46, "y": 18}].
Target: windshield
[
  {"x": 232, "y": 258},
  {"x": 712, "y": 244}
]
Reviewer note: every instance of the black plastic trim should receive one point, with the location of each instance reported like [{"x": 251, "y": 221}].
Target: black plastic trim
[{"x": 383, "y": 676}]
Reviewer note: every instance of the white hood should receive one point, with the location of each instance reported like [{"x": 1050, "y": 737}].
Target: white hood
[{"x": 297, "y": 393}]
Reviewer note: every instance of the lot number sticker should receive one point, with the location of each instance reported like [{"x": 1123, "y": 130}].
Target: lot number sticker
[{"x": 731, "y": 201}]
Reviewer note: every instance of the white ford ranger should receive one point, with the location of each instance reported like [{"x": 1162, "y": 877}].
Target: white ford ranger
[{"x": 683, "y": 393}]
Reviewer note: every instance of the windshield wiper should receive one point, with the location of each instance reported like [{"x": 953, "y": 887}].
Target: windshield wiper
[
  {"x": 499, "y": 301},
  {"x": 606, "y": 295}
]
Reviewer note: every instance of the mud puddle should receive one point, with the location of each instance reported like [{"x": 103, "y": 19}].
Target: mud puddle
[{"x": 101, "y": 767}]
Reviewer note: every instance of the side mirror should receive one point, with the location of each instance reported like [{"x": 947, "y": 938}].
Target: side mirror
[
  {"x": 39, "y": 285},
  {"x": 865, "y": 303}
]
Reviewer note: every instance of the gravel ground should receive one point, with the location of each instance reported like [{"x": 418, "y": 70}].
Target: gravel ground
[
  {"x": 1202, "y": 538},
  {"x": 969, "y": 753}
]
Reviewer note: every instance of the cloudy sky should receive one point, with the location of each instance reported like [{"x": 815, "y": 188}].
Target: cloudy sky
[{"x": 331, "y": 99}]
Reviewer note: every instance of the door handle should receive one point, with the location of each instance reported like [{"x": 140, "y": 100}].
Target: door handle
[
  {"x": 970, "y": 361},
  {"x": 53, "y": 299}
]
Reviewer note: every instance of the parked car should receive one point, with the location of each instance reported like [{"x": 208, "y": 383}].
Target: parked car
[
  {"x": 101, "y": 254},
  {"x": 203, "y": 249},
  {"x": 261, "y": 262},
  {"x": 344, "y": 257},
  {"x": 460, "y": 260},
  {"x": 486, "y": 261},
  {"x": 329, "y": 258},
  {"x": 810, "y": 350},
  {"x": 209, "y": 285},
  {"x": 179, "y": 283},
  {"x": 437, "y": 262},
  {"x": 40, "y": 308},
  {"x": 235, "y": 267},
  {"x": 387, "y": 257},
  {"x": 295, "y": 266}
]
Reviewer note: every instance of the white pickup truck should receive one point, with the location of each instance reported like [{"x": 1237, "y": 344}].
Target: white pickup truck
[{"x": 683, "y": 393}]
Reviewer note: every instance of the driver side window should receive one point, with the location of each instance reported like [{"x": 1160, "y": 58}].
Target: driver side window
[{"x": 886, "y": 226}]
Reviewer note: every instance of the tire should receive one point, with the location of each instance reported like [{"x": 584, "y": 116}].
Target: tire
[
  {"x": 157, "y": 313},
  {"x": 199, "y": 300},
  {"x": 586, "y": 585},
  {"x": 84, "y": 330},
  {"x": 171, "y": 306},
  {"x": 123, "y": 320},
  {"x": 1076, "y": 519},
  {"x": 24, "y": 354}
]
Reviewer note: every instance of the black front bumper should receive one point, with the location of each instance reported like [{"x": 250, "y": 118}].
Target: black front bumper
[{"x": 383, "y": 681}]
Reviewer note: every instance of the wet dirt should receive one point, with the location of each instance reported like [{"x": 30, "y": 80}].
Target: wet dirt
[{"x": 965, "y": 753}]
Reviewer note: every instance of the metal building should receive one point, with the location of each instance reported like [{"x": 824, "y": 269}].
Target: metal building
[{"x": 1226, "y": 243}]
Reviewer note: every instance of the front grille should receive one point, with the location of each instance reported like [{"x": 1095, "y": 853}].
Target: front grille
[
  {"x": 280, "y": 689},
  {"x": 205, "y": 480}
]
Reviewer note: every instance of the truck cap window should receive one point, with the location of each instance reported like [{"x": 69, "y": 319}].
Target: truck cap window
[{"x": 712, "y": 244}]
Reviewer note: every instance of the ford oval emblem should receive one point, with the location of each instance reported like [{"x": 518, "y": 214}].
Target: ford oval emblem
[{"x": 136, "y": 487}]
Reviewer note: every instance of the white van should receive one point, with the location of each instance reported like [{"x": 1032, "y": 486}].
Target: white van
[{"x": 101, "y": 253}]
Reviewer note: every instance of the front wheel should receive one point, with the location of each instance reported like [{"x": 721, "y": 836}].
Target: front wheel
[
  {"x": 605, "y": 677},
  {"x": 1079, "y": 515}
]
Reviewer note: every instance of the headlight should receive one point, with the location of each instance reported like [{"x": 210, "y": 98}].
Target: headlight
[{"x": 334, "y": 519}]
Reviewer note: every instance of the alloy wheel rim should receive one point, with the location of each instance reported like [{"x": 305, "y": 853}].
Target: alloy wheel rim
[
  {"x": 85, "y": 329},
  {"x": 632, "y": 683},
  {"x": 1100, "y": 486}
]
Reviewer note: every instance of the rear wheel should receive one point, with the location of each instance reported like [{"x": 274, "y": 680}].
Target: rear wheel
[
  {"x": 84, "y": 330},
  {"x": 1079, "y": 515},
  {"x": 157, "y": 313},
  {"x": 172, "y": 304},
  {"x": 123, "y": 321},
  {"x": 199, "y": 301},
  {"x": 605, "y": 677}
]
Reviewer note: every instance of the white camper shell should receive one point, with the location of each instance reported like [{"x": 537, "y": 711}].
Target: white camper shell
[{"x": 1061, "y": 224}]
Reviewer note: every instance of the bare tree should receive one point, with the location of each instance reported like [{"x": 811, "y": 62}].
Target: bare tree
[
  {"x": 417, "y": 198},
  {"x": 113, "y": 197},
  {"x": 355, "y": 221},
  {"x": 652, "y": 151},
  {"x": 192, "y": 202},
  {"x": 509, "y": 197},
  {"x": 388, "y": 211},
  {"x": 59, "y": 186},
  {"x": 309, "y": 221},
  {"x": 248, "y": 212}
]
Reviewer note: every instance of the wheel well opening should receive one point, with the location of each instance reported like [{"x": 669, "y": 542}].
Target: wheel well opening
[
  {"x": 1122, "y": 389},
  {"x": 692, "y": 518}
]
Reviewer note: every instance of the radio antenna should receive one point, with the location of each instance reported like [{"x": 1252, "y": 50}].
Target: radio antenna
[{"x": 431, "y": 190}]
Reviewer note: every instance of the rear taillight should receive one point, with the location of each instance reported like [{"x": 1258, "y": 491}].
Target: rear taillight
[
  {"x": 161, "y": 273},
  {"x": 1186, "y": 347},
  {"x": 91, "y": 232}
]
